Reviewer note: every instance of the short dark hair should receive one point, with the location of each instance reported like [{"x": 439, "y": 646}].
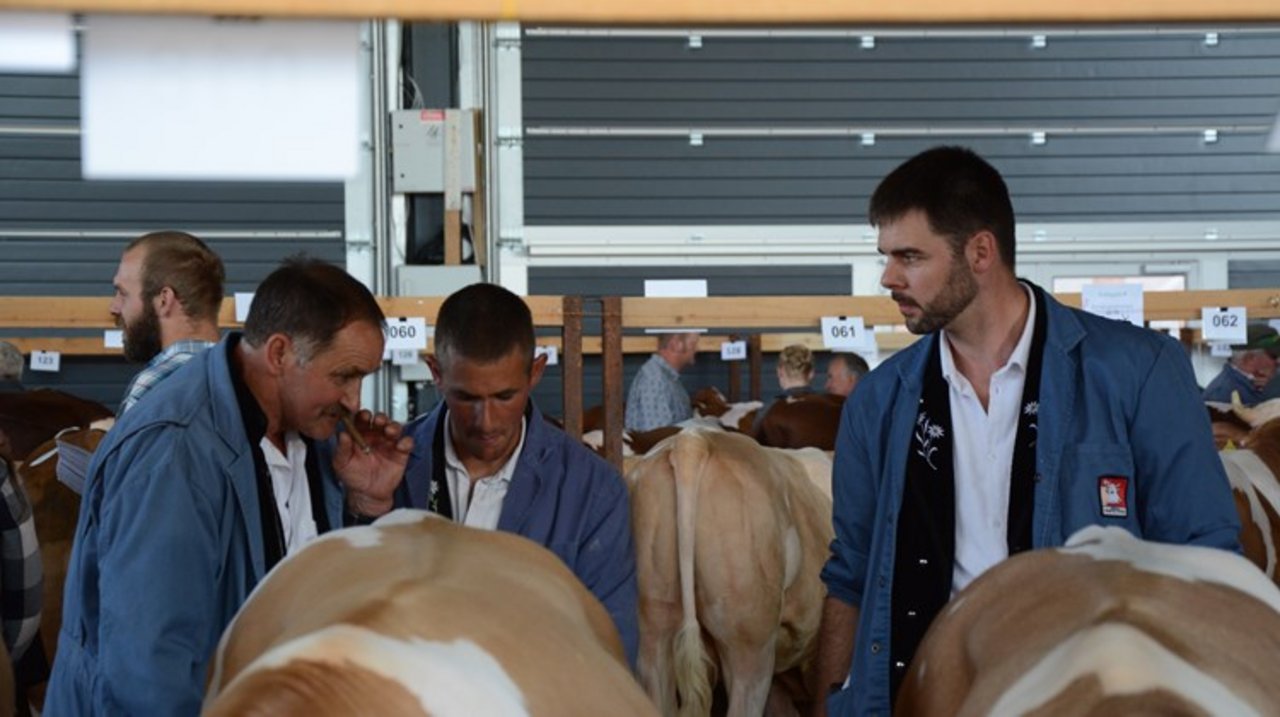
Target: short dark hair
[
  {"x": 185, "y": 264},
  {"x": 483, "y": 323},
  {"x": 958, "y": 191},
  {"x": 853, "y": 362},
  {"x": 309, "y": 301}
]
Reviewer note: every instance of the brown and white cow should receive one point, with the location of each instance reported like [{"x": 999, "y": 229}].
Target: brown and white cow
[
  {"x": 55, "y": 509},
  {"x": 1253, "y": 473},
  {"x": 1106, "y": 625},
  {"x": 708, "y": 402},
  {"x": 415, "y": 615},
  {"x": 730, "y": 538},
  {"x": 808, "y": 420}
]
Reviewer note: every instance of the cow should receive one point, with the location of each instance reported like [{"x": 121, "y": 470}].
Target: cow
[
  {"x": 1106, "y": 625},
  {"x": 730, "y": 538},
  {"x": 708, "y": 402},
  {"x": 55, "y": 509},
  {"x": 32, "y": 417},
  {"x": 1229, "y": 429},
  {"x": 415, "y": 615},
  {"x": 807, "y": 420},
  {"x": 1253, "y": 473}
]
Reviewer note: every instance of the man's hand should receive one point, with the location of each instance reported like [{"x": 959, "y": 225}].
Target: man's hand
[{"x": 371, "y": 476}]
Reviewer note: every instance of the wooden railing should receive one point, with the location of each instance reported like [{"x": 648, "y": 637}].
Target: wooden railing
[{"x": 767, "y": 322}]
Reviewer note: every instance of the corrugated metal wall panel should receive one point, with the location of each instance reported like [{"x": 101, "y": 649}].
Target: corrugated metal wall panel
[
  {"x": 62, "y": 235},
  {"x": 1107, "y": 83}
]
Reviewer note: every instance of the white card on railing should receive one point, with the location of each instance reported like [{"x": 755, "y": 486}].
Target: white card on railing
[
  {"x": 113, "y": 339},
  {"x": 243, "y": 300},
  {"x": 843, "y": 332},
  {"x": 553, "y": 354},
  {"x": 404, "y": 357},
  {"x": 1224, "y": 323},
  {"x": 1114, "y": 301},
  {"x": 407, "y": 333},
  {"x": 733, "y": 351},
  {"x": 1220, "y": 350},
  {"x": 50, "y": 361}
]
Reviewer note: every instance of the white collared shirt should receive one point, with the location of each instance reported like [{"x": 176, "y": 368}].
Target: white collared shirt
[
  {"x": 478, "y": 504},
  {"x": 293, "y": 494},
  {"x": 983, "y": 442}
]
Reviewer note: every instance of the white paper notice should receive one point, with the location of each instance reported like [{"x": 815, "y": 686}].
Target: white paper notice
[
  {"x": 1227, "y": 324},
  {"x": 404, "y": 357},
  {"x": 674, "y": 288},
  {"x": 113, "y": 339},
  {"x": 36, "y": 42},
  {"x": 50, "y": 361},
  {"x": 844, "y": 332},
  {"x": 552, "y": 354},
  {"x": 219, "y": 99},
  {"x": 1220, "y": 350},
  {"x": 733, "y": 351},
  {"x": 1114, "y": 301},
  {"x": 244, "y": 299}
]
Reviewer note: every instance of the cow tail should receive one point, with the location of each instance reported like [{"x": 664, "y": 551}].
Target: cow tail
[{"x": 693, "y": 666}]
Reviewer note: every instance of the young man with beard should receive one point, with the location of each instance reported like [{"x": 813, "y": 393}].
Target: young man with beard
[
  {"x": 485, "y": 457},
  {"x": 200, "y": 490},
  {"x": 1013, "y": 423},
  {"x": 168, "y": 292}
]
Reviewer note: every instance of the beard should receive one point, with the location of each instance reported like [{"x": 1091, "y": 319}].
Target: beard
[
  {"x": 141, "y": 337},
  {"x": 956, "y": 295}
]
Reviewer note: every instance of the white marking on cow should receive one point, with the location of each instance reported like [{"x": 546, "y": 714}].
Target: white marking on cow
[
  {"x": 1249, "y": 475},
  {"x": 405, "y": 516},
  {"x": 450, "y": 679},
  {"x": 793, "y": 553},
  {"x": 1185, "y": 562},
  {"x": 595, "y": 441},
  {"x": 1125, "y": 661},
  {"x": 710, "y": 423},
  {"x": 732, "y": 417},
  {"x": 103, "y": 424}
]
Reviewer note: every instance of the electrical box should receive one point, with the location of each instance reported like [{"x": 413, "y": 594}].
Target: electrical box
[{"x": 422, "y": 150}]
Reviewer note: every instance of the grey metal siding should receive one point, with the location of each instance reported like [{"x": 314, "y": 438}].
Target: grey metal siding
[
  {"x": 62, "y": 235},
  {"x": 1117, "y": 86}
]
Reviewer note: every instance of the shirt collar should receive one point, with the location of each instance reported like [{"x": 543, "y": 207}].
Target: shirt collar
[
  {"x": 665, "y": 367},
  {"x": 504, "y": 473},
  {"x": 1021, "y": 351},
  {"x": 185, "y": 346}
]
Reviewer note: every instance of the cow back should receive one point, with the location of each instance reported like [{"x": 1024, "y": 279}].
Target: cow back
[
  {"x": 433, "y": 616},
  {"x": 808, "y": 420},
  {"x": 1107, "y": 625},
  {"x": 30, "y": 418}
]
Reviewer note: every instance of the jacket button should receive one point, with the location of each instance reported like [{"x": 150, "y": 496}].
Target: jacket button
[{"x": 875, "y": 648}]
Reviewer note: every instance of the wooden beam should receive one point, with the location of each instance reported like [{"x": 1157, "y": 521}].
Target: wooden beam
[
  {"x": 611, "y": 327},
  {"x": 571, "y": 366},
  {"x": 703, "y": 11}
]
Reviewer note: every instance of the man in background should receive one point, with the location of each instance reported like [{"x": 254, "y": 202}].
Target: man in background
[
  {"x": 657, "y": 398},
  {"x": 168, "y": 290},
  {"x": 844, "y": 370},
  {"x": 1250, "y": 369}
]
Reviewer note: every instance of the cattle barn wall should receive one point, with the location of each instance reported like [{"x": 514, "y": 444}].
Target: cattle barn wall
[
  {"x": 1133, "y": 107},
  {"x": 62, "y": 235}
]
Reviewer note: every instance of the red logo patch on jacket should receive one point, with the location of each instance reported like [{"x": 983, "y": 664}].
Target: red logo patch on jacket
[{"x": 1112, "y": 493}]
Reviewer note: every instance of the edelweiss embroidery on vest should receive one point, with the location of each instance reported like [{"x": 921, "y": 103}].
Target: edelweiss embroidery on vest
[
  {"x": 926, "y": 433},
  {"x": 1032, "y": 410}
]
